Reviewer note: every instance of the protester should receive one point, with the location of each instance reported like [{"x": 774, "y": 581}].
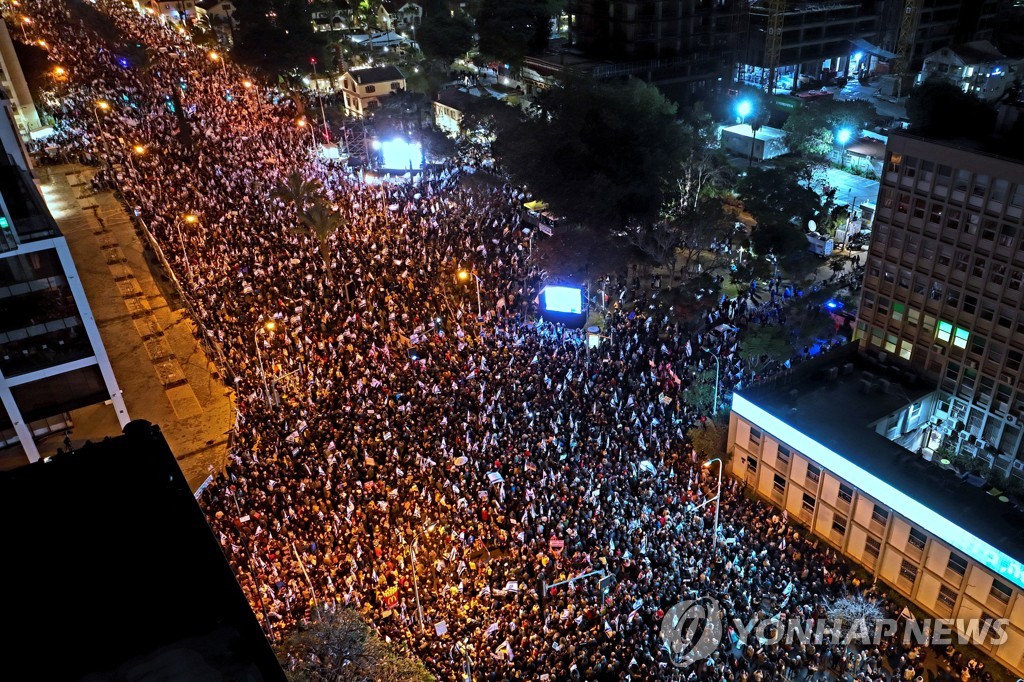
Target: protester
[{"x": 379, "y": 414}]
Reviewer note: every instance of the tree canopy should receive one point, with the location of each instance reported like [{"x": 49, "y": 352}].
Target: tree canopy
[
  {"x": 444, "y": 37},
  {"x": 511, "y": 29},
  {"x": 601, "y": 154},
  {"x": 811, "y": 129},
  {"x": 780, "y": 200},
  {"x": 941, "y": 108},
  {"x": 276, "y": 35}
]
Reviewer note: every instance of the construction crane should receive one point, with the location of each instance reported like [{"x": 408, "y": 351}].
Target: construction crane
[
  {"x": 905, "y": 42},
  {"x": 773, "y": 42}
]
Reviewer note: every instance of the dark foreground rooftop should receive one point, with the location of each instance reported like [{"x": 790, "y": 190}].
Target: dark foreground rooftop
[
  {"x": 837, "y": 413},
  {"x": 110, "y": 572}
]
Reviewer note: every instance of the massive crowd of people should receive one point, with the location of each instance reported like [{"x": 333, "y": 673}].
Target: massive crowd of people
[{"x": 379, "y": 413}]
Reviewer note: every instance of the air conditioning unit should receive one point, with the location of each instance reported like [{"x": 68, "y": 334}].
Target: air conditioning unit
[
  {"x": 982, "y": 444},
  {"x": 986, "y": 457},
  {"x": 1017, "y": 465},
  {"x": 1011, "y": 420}
]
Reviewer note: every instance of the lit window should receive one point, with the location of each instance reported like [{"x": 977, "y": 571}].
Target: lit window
[
  {"x": 945, "y": 331},
  {"x": 905, "y": 349},
  {"x": 960, "y": 337},
  {"x": 897, "y": 311}
]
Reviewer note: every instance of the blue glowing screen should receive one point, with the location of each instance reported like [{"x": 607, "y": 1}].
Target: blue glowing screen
[{"x": 563, "y": 300}]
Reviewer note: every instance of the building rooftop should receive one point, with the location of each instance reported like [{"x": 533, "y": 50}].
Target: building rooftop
[
  {"x": 376, "y": 74},
  {"x": 117, "y": 571},
  {"x": 825, "y": 400}
]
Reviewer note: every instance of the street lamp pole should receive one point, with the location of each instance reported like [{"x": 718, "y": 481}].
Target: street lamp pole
[
  {"x": 323, "y": 114},
  {"x": 415, "y": 581},
  {"x": 104, "y": 105},
  {"x": 718, "y": 496},
  {"x": 714, "y": 410},
  {"x": 191, "y": 220},
  {"x": 269, "y": 326}
]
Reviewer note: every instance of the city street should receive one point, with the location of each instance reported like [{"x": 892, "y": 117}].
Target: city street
[{"x": 161, "y": 368}]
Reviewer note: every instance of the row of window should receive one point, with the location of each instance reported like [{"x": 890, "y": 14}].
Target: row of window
[
  {"x": 917, "y": 539},
  {"x": 943, "y": 181}
]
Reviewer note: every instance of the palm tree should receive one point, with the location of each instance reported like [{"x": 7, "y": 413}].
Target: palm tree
[
  {"x": 297, "y": 190},
  {"x": 321, "y": 222}
]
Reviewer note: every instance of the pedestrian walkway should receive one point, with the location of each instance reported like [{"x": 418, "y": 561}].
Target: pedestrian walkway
[{"x": 160, "y": 366}]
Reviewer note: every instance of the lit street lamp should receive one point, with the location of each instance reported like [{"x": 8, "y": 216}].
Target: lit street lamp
[
  {"x": 302, "y": 123},
  {"x": 102, "y": 105},
  {"x": 25, "y": 21},
  {"x": 269, "y": 326},
  {"x": 190, "y": 219},
  {"x": 137, "y": 150},
  {"x": 465, "y": 275},
  {"x": 215, "y": 57},
  {"x": 843, "y": 136},
  {"x": 744, "y": 109},
  {"x": 718, "y": 496}
]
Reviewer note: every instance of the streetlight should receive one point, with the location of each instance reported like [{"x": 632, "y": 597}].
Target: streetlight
[
  {"x": 323, "y": 114},
  {"x": 59, "y": 72},
  {"x": 215, "y": 57},
  {"x": 415, "y": 581},
  {"x": 843, "y": 136},
  {"x": 714, "y": 410},
  {"x": 744, "y": 109},
  {"x": 718, "y": 495},
  {"x": 302, "y": 123},
  {"x": 25, "y": 21},
  {"x": 465, "y": 275},
  {"x": 191, "y": 219},
  {"x": 269, "y": 326},
  {"x": 137, "y": 150},
  {"x": 102, "y": 105}
]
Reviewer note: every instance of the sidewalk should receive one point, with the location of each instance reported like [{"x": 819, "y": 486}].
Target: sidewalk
[{"x": 160, "y": 366}]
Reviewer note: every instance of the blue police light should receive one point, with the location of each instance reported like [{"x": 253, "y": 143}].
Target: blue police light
[
  {"x": 914, "y": 511},
  {"x": 833, "y": 304}
]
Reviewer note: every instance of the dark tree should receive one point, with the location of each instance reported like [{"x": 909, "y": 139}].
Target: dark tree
[
  {"x": 940, "y": 108},
  {"x": 781, "y": 202},
  {"x": 601, "y": 154},
  {"x": 511, "y": 29},
  {"x": 444, "y": 37},
  {"x": 811, "y": 129},
  {"x": 276, "y": 35}
]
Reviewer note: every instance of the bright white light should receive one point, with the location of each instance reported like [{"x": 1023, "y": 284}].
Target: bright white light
[
  {"x": 858, "y": 56},
  {"x": 744, "y": 108},
  {"x": 401, "y": 154},
  {"x": 563, "y": 300},
  {"x": 915, "y": 512},
  {"x": 844, "y": 135}
]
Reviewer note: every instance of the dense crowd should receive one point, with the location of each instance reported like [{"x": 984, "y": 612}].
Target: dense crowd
[{"x": 379, "y": 413}]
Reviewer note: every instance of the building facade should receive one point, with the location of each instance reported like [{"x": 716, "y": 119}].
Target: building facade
[
  {"x": 52, "y": 360},
  {"x": 687, "y": 47},
  {"x": 363, "y": 89},
  {"x": 939, "y": 24},
  {"x": 944, "y": 288},
  {"x": 896, "y": 517},
  {"x": 12, "y": 80},
  {"x": 977, "y": 68}
]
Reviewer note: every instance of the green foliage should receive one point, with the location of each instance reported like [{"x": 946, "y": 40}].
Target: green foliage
[
  {"x": 444, "y": 37},
  {"x": 599, "y": 153},
  {"x": 782, "y": 204},
  {"x": 811, "y": 129},
  {"x": 940, "y": 108},
  {"x": 511, "y": 29},
  {"x": 710, "y": 438},
  {"x": 341, "y": 646}
]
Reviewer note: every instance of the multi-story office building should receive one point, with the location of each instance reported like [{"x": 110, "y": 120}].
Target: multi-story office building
[
  {"x": 817, "y": 37},
  {"x": 52, "y": 359},
  {"x": 818, "y": 443},
  {"x": 687, "y": 47},
  {"x": 939, "y": 24},
  {"x": 944, "y": 289},
  {"x": 12, "y": 80}
]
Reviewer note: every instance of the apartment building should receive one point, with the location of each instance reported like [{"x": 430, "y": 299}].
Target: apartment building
[
  {"x": 12, "y": 80},
  {"x": 687, "y": 47},
  {"x": 817, "y": 443},
  {"x": 52, "y": 359},
  {"x": 939, "y": 24},
  {"x": 944, "y": 289}
]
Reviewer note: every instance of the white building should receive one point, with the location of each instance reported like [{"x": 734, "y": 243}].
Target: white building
[
  {"x": 52, "y": 360},
  {"x": 977, "y": 68},
  {"x": 818, "y": 443},
  {"x": 364, "y": 88}
]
